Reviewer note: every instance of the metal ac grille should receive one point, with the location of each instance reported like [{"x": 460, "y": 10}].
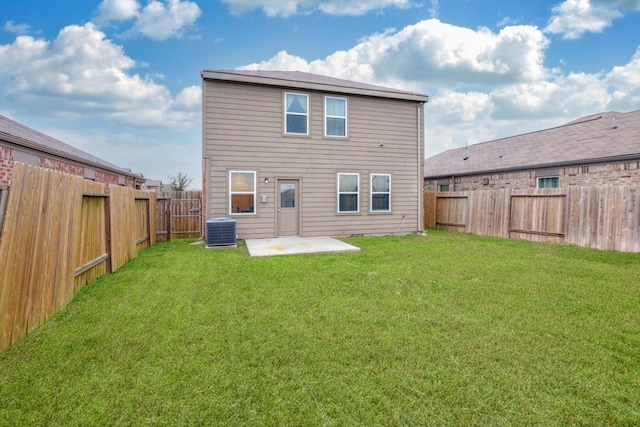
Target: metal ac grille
[{"x": 221, "y": 232}]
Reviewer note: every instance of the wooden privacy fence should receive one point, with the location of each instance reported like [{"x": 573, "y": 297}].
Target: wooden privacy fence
[
  {"x": 61, "y": 232},
  {"x": 606, "y": 218},
  {"x": 183, "y": 215}
]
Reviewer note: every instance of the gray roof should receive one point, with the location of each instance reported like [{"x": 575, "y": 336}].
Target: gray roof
[
  {"x": 24, "y": 136},
  {"x": 308, "y": 81},
  {"x": 596, "y": 138}
]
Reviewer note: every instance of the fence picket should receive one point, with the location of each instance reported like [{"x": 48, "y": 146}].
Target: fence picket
[
  {"x": 8, "y": 255},
  {"x": 57, "y": 225},
  {"x": 606, "y": 218},
  {"x": 186, "y": 214}
]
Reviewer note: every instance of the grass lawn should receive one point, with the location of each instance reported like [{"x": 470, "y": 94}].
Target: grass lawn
[{"x": 442, "y": 329}]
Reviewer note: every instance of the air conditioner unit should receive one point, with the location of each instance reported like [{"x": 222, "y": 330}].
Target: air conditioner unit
[{"x": 221, "y": 232}]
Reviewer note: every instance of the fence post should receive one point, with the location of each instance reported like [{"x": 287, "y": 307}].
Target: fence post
[
  {"x": 4, "y": 193},
  {"x": 107, "y": 231}
]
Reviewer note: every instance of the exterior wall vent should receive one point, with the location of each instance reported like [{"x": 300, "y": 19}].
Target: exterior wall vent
[{"x": 221, "y": 232}]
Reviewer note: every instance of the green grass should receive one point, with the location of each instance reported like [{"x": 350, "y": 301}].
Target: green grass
[{"x": 442, "y": 329}]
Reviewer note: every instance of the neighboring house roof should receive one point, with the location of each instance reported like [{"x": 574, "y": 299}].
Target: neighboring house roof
[
  {"x": 604, "y": 137},
  {"x": 154, "y": 183},
  {"x": 24, "y": 136},
  {"x": 308, "y": 81}
]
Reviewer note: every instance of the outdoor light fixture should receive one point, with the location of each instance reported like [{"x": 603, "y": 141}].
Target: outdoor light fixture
[{"x": 266, "y": 179}]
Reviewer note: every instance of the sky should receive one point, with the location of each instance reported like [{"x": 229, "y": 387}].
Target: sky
[{"x": 120, "y": 79}]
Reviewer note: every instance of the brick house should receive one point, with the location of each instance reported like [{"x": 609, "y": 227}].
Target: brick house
[
  {"x": 596, "y": 150},
  {"x": 26, "y": 145}
]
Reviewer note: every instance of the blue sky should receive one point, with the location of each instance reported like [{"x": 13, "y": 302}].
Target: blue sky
[{"x": 121, "y": 78}]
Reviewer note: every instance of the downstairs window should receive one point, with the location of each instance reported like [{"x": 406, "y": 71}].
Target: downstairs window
[{"x": 242, "y": 192}]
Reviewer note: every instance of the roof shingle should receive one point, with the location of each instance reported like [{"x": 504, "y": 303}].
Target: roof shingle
[
  {"x": 19, "y": 134},
  {"x": 599, "y": 137}
]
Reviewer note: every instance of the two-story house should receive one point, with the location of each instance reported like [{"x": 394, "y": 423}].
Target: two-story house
[{"x": 292, "y": 153}]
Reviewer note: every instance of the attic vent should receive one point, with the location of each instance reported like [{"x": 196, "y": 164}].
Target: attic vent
[{"x": 221, "y": 232}]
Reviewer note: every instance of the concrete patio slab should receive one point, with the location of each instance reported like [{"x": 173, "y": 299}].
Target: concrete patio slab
[{"x": 296, "y": 245}]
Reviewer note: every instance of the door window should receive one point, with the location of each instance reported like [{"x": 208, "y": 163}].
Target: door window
[{"x": 287, "y": 195}]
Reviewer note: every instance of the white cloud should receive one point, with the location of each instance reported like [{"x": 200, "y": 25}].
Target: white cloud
[
  {"x": 573, "y": 18},
  {"x": 153, "y": 154},
  {"x": 286, "y": 8},
  {"x": 81, "y": 74},
  {"x": 626, "y": 83},
  {"x": 158, "y": 20},
  {"x": 454, "y": 119},
  {"x": 507, "y": 21},
  {"x": 14, "y": 28},
  {"x": 189, "y": 99},
  {"x": 434, "y": 9},
  {"x": 627, "y": 75},
  {"x": 563, "y": 96},
  {"x": 281, "y": 61},
  {"x": 632, "y": 5},
  {"x": 482, "y": 85},
  {"x": 431, "y": 52},
  {"x": 117, "y": 10},
  {"x": 351, "y": 7},
  {"x": 459, "y": 108}
]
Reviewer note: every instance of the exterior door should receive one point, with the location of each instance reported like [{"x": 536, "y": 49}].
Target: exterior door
[{"x": 288, "y": 207}]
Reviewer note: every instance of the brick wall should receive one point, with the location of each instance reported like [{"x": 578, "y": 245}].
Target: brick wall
[
  {"x": 627, "y": 173},
  {"x": 60, "y": 166},
  {"x": 602, "y": 174},
  {"x": 105, "y": 177},
  {"x": 7, "y": 159},
  {"x": 6, "y": 165},
  {"x": 129, "y": 182}
]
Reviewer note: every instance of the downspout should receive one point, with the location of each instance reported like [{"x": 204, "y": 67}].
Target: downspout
[
  {"x": 420, "y": 171},
  {"x": 206, "y": 194}
]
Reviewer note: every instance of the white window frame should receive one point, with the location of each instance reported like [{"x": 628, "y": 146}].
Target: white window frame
[
  {"x": 253, "y": 193},
  {"x": 306, "y": 115},
  {"x": 357, "y": 193},
  {"x": 441, "y": 188},
  {"x": 327, "y": 116},
  {"x": 540, "y": 178},
  {"x": 379, "y": 192}
]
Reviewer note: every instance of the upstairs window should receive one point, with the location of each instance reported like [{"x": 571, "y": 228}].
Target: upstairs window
[
  {"x": 296, "y": 106},
  {"x": 242, "y": 192},
  {"x": 335, "y": 111},
  {"x": 380, "y": 193},
  {"x": 348, "y": 192},
  {"x": 549, "y": 182}
]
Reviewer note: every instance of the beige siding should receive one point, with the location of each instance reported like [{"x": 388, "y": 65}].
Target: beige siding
[{"x": 243, "y": 130}]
